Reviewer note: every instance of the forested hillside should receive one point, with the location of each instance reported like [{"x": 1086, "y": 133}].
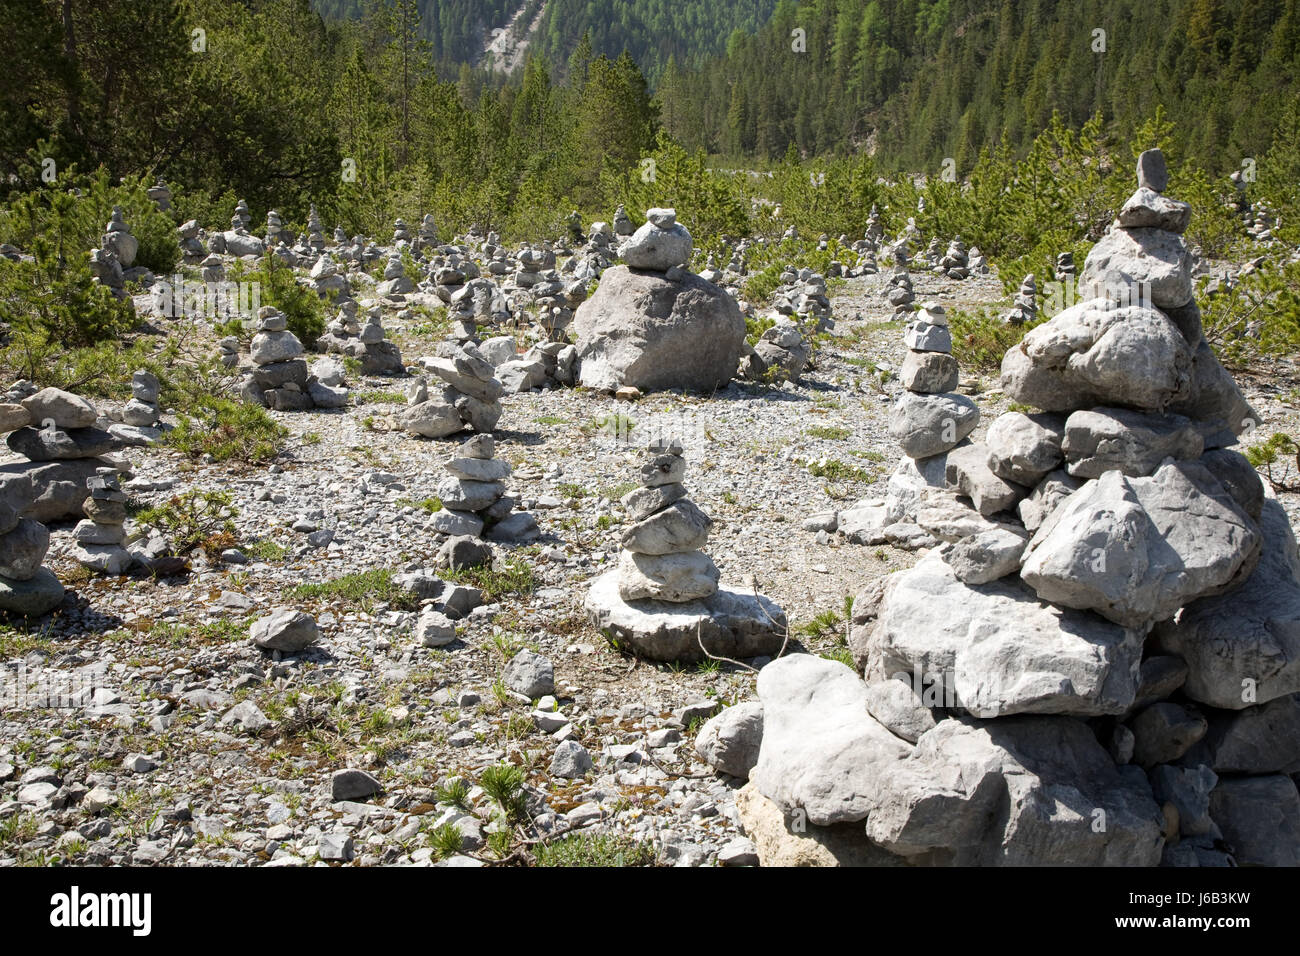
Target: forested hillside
[
  {"x": 652, "y": 31},
  {"x": 920, "y": 80}
]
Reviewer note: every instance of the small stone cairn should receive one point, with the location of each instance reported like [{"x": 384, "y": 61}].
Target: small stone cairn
[
  {"x": 141, "y": 416},
  {"x": 474, "y": 497},
  {"x": 470, "y": 396},
  {"x": 664, "y": 597},
  {"x": 1025, "y": 306},
  {"x": 101, "y": 536}
]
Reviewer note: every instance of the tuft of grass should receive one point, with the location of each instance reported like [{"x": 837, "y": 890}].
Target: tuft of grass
[
  {"x": 381, "y": 398},
  {"x": 981, "y": 339},
  {"x": 833, "y": 469},
  {"x": 515, "y": 576},
  {"x": 595, "y": 849},
  {"x": 453, "y": 791},
  {"x": 446, "y": 840},
  {"x": 551, "y": 420},
  {"x": 266, "y": 550},
  {"x": 373, "y": 585},
  {"x": 829, "y": 432},
  {"x": 426, "y": 504},
  {"x": 504, "y": 784}
]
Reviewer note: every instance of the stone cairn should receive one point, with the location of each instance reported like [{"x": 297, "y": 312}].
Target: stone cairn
[
  {"x": 955, "y": 262},
  {"x": 327, "y": 278},
  {"x": 315, "y": 233},
  {"x": 274, "y": 227},
  {"x": 119, "y": 241},
  {"x": 977, "y": 265},
  {"x": 101, "y": 536},
  {"x": 1101, "y": 664},
  {"x": 161, "y": 195},
  {"x": 26, "y": 588},
  {"x": 427, "y": 233},
  {"x": 1065, "y": 270},
  {"x": 898, "y": 290},
  {"x": 623, "y": 222},
  {"x": 664, "y": 598},
  {"x": 141, "y": 416},
  {"x": 474, "y": 498},
  {"x": 396, "y": 284},
  {"x": 280, "y": 379},
  {"x": 1024, "y": 308},
  {"x": 470, "y": 396}
]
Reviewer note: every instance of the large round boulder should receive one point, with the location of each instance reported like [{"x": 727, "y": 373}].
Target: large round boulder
[{"x": 645, "y": 330}]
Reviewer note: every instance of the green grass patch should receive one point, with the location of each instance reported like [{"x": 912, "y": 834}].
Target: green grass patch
[
  {"x": 359, "y": 587},
  {"x": 829, "y": 432},
  {"x": 515, "y": 576},
  {"x": 598, "y": 849}
]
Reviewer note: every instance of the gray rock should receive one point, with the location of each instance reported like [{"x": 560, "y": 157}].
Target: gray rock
[
  {"x": 738, "y": 852},
  {"x": 285, "y": 629},
  {"x": 1135, "y": 550},
  {"x": 326, "y": 396},
  {"x": 1047, "y": 495},
  {"x": 530, "y": 674},
  {"x": 1188, "y": 789},
  {"x": 1108, "y": 439},
  {"x": 16, "y": 495},
  {"x": 1262, "y": 739},
  {"x": 1096, "y": 354},
  {"x": 458, "y": 523},
  {"x": 66, "y": 410},
  {"x": 246, "y": 716},
  {"x": 897, "y": 706},
  {"x": 570, "y": 760},
  {"x": 280, "y": 374},
  {"x": 729, "y": 742},
  {"x": 353, "y": 784},
  {"x": 924, "y": 337},
  {"x": 969, "y": 474},
  {"x": 643, "y": 502},
  {"x": 675, "y": 578},
  {"x": 987, "y": 556},
  {"x": 1161, "y": 675},
  {"x": 1260, "y": 819},
  {"x": 1152, "y": 170},
  {"x": 59, "y": 445},
  {"x": 13, "y": 416},
  {"x": 1238, "y": 477},
  {"x": 788, "y": 840},
  {"x": 1152, "y": 266},
  {"x": 728, "y": 623},
  {"x": 430, "y": 419},
  {"x": 479, "y": 469},
  {"x": 517, "y": 528},
  {"x": 822, "y": 752},
  {"x": 1147, "y": 209},
  {"x": 1015, "y": 792},
  {"x": 34, "y": 597},
  {"x": 996, "y": 650},
  {"x": 927, "y": 425},
  {"x": 336, "y": 846},
  {"x": 666, "y": 469},
  {"x": 644, "y": 331},
  {"x": 460, "y": 495},
  {"x": 929, "y": 372},
  {"x": 269, "y": 347},
  {"x": 1214, "y": 400},
  {"x": 434, "y": 629},
  {"x": 1164, "y": 732},
  {"x": 23, "y": 549},
  {"x": 1024, "y": 448},
  {"x": 655, "y": 248},
  {"x": 464, "y": 551},
  {"x": 680, "y": 527}
]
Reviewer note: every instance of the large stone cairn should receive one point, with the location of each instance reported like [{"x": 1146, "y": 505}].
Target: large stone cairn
[
  {"x": 1101, "y": 664},
  {"x": 1025, "y": 306},
  {"x": 474, "y": 497},
  {"x": 109, "y": 264},
  {"x": 101, "y": 536},
  {"x": 664, "y": 598},
  {"x": 470, "y": 396}
]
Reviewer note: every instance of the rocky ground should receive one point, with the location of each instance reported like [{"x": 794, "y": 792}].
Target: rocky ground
[{"x": 165, "y": 767}]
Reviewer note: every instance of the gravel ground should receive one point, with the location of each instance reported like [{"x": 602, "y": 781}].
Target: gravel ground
[{"x": 156, "y": 774}]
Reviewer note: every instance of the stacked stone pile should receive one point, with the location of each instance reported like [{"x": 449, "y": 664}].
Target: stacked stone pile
[
  {"x": 474, "y": 497},
  {"x": 1098, "y": 665},
  {"x": 651, "y": 324},
  {"x": 1065, "y": 268},
  {"x": 1025, "y": 306},
  {"x": 280, "y": 379},
  {"x": 27, "y": 589},
  {"x": 898, "y": 290},
  {"x": 141, "y": 417},
  {"x": 664, "y": 598},
  {"x": 315, "y": 231},
  {"x": 345, "y": 335},
  {"x": 955, "y": 262},
  {"x": 101, "y": 536},
  {"x": 396, "y": 284},
  {"x": 470, "y": 396}
]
